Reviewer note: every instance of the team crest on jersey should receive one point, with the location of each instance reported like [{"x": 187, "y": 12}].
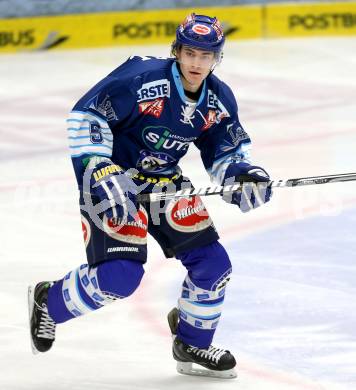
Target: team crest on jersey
[
  {"x": 96, "y": 136},
  {"x": 188, "y": 215},
  {"x": 154, "y": 107},
  {"x": 86, "y": 231},
  {"x": 134, "y": 232}
]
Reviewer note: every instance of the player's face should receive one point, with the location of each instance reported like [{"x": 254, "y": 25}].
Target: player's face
[{"x": 195, "y": 65}]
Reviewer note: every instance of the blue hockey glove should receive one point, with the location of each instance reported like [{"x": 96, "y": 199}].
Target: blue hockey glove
[
  {"x": 115, "y": 189},
  {"x": 256, "y": 187}
]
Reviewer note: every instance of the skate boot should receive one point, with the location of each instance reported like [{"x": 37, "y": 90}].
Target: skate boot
[
  {"x": 42, "y": 326},
  {"x": 216, "y": 362}
]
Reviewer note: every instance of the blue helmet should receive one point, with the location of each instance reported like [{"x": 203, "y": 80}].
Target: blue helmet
[{"x": 202, "y": 32}]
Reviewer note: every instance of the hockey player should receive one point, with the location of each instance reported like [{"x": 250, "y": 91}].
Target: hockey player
[{"x": 144, "y": 115}]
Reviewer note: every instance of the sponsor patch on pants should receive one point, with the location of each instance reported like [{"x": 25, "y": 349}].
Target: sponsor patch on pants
[{"x": 188, "y": 215}]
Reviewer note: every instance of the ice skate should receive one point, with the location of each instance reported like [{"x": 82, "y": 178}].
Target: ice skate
[
  {"x": 212, "y": 362},
  {"x": 42, "y": 327}
]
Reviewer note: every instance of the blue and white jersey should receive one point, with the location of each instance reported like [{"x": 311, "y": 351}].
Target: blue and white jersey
[{"x": 139, "y": 117}]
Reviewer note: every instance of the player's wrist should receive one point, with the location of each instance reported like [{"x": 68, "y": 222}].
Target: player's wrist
[
  {"x": 94, "y": 161},
  {"x": 255, "y": 185}
]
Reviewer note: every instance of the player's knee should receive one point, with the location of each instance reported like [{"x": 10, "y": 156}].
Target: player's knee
[
  {"x": 209, "y": 266},
  {"x": 119, "y": 277}
]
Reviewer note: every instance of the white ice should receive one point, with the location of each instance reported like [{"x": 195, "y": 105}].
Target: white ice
[{"x": 290, "y": 313}]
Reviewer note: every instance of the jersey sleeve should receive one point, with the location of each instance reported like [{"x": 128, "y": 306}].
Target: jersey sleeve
[
  {"x": 224, "y": 144},
  {"x": 92, "y": 121}
]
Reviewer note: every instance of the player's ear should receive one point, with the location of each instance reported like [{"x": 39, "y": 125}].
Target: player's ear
[{"x": 176, "y": 49}]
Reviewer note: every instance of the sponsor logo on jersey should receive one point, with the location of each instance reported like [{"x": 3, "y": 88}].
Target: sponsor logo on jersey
[
  {"x": 96, "y": 137},
  {"x": 161, "y": 138},
  {"x": 154, "y": 90},
  {"x": 214, "y": 102},
  {"x": 153, "y": 161},
  {"x": 188, "y": 215},
  {"x": 134, "y": 232},
  {"x": 210, "y": 119},
  {"x": 86, "y": 230},
  {"x": 153, "y": 108},
  {"x": 201, "y": 29}
]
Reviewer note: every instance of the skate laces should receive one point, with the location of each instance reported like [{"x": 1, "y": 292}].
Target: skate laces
[
  {"x": 47, "y": 326},
  {"x": 212, "y": 353}
]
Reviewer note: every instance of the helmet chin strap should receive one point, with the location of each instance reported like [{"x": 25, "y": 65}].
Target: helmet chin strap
[{"x": 217, "y": 62}]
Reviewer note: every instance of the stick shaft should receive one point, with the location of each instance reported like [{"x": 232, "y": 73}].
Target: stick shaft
[{"x": 216, "y": 190}]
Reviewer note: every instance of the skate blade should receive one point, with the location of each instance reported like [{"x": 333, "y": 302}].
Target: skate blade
[
  {"x": 31, "y": 300},
  {"x": 187, "y": 368}
]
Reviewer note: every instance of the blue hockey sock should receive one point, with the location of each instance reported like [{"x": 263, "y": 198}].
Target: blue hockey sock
[
  {"x": 86, "y": 289},
  {"x": 203, "y": 292}
]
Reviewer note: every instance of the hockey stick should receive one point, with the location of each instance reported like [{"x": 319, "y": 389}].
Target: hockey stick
[{"x": 218, "y": 190}]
